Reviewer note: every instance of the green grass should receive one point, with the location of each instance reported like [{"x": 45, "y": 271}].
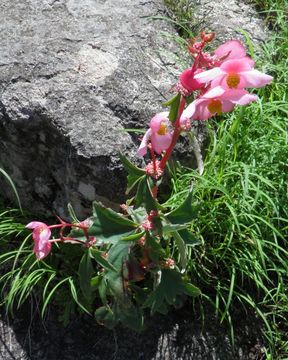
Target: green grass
[{"x": 243, "y": 201}]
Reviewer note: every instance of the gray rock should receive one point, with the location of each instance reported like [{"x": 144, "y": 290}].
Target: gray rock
[
  {"x": 227, "y": 17},
  {"x": 181, "y": 335},
  {"x": 75, "y": 74}
]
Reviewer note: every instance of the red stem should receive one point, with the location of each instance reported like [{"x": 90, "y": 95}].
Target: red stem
[
  {"x": 63, "y": 239},
  {"x": 177, "y": 129},
  {"x": 153, "y": 157},
  {"x": 175, "y": 136}
]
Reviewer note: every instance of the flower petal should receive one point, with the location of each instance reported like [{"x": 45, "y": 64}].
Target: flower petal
[
  {"x": 188, "y": 81},
  {"x": 44, "y": 234},
  {"x": 142, "y": 150},
  {"x": 213, "y": 93},
  {"x": 158, "y": 119},
  {"x": 209, "y": 75},
  {"x": 189, "y": 111},
  {"x": 43, "y": 251},
  {"x": 255, "y": 78},
  {"x": 160, "y": 142},
  {"x": 201, "y": 112},
  {"x": 35, "y": 224},
  {"x": 232, "y": 49},
  {"x": 237, "y": 65},
  {"x": 239, "y": 96},
  {"x": 227, "y": 106}
]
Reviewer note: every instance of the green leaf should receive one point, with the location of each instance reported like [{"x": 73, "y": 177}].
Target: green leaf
[
  {"x": 137, "y": 215},
  {"x": 85, "y": 274},
  {"x": 192, "y": 290},
  {"x": 105, "y": 316},
  {"x": 107, "y": 226},
  {"x": 171, "y": 286},
  {"x": 171, "y": 101},
  {"x": 144, "y": 197},
  {"x": 117, "y": 255},
  {"x": 102, "y": 288},
  {"x": 130, "y": 315},
  {"x": 72, "y": 214},
  {"x": 174, "y": 108},
  {"x": 98, "y": 256},
  {"x": 156, "y": 250},
  {"x": 133, "y": 237},
  {"x": 182, "y": 249},
  {"x": 134, "y": 173},
  {"x": 169, "y": 228},
  {"x": 184, "y": 213},
  {"x": 188, "y": 237}
]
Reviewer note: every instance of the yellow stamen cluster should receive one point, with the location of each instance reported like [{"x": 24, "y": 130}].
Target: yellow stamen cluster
[
  {"x": 233, "y": 80},
  {"x": 162, "y": 129},
  {"x": 215, "y": 106}
]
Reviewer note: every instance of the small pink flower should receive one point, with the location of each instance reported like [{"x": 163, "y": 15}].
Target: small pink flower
[
  {"x": 216, "y": 101},
  {"x": 187, "y": 82},
  {"x": 158, "y": 134},
  {"x": 41, "y": 235},
  {"x": 235, "y": 74}
]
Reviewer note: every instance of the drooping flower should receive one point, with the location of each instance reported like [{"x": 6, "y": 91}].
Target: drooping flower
[
  {"x": 187, "y": 83},
  {"x": 217, "y": 100},
  {"x": 235, "y": 74},
  {"x": 158, "y": 134},
  {"x": 41, "y": 235}
]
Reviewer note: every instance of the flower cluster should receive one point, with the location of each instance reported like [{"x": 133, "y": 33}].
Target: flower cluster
[{"x": 218, "y": 82}]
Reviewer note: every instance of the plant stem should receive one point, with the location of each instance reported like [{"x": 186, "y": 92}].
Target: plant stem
[{"x": 176, "y": 133}]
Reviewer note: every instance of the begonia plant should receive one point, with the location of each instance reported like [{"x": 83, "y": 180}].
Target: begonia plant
[{"x": 135, "y": 259}]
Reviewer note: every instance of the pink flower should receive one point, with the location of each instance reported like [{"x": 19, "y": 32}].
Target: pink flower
[
  {"x": 216, "y": 101},
  {"x": 235, "y": 74},
  {"x": 41, "y": 235},
  {"x": 158, "y": 134},
  {"x": 232, "y": 49},
  {"x": 187, "y": 82}
]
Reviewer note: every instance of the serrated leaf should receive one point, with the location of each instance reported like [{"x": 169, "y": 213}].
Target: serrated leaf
[
  {"x": 98, "y": 256},
  {"x": 137, "y": 215},
  {"x": 107, "y": 226},
  {"x": 134, "y": 173},
  {"x": 173, "y": 113},
  {"x": 170, "y": 287},
  {"x": 117, "y": 255},
  {"x": 85, "y": 272},
  {"x": 144, "y": 197},
  {"x": 156, "y": 251},
  {"x": 184, "y": 213}
]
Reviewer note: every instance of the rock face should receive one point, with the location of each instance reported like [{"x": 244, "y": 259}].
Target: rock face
[
  {"x": 178, "y": 336},
  {"x": 227, "y": 17},
  {"x": 73, "y": 75}
]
